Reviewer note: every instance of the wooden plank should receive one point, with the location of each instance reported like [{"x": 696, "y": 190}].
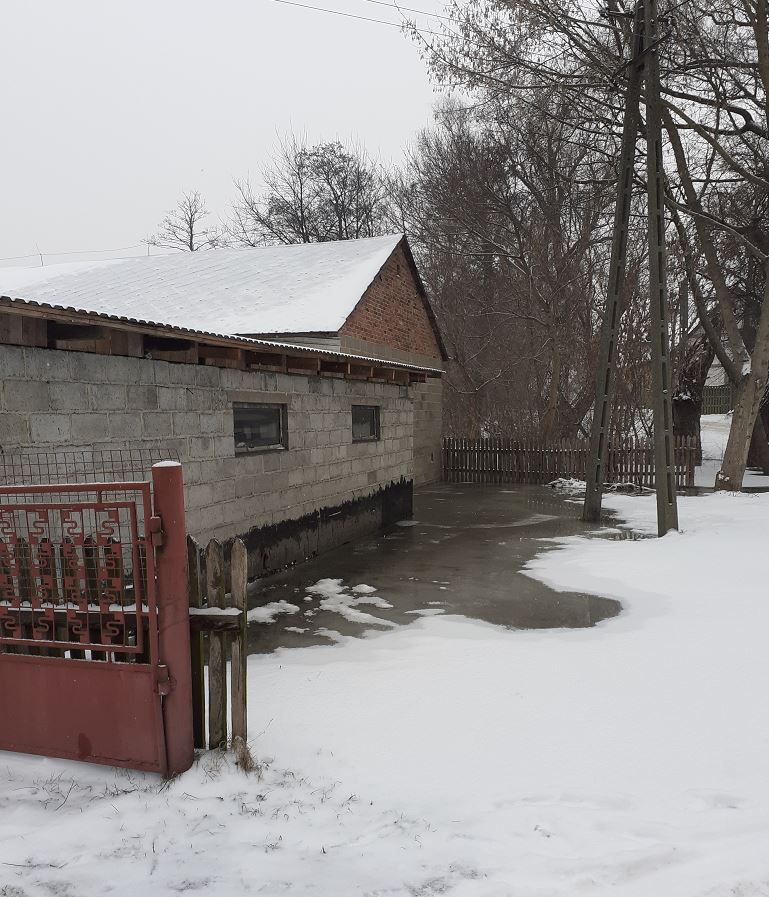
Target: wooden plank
[
  {"x": 195, "y": 594},
  {"x": 692, "y": 459},
  {"x": 210, "y": 619},
  {"x": 239, "y": 578},
  {"x": 362, "y": 371},
  {"x": 304, "y": 363},
  {"x": 217, "y": 659},
  {"x": 223, "y": 355},
  {"x": 334, "y": 367}
]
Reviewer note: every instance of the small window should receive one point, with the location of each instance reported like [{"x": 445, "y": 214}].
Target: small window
[
  {"x": 259, "y": 427},
  {"x": 365, "y": 423}
]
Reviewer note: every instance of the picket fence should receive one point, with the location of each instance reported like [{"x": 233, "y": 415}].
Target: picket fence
[
  {"x": 717, "y": 399},
  {"x": 498, "y": 460},
  {"x": 218, "y": 633}
]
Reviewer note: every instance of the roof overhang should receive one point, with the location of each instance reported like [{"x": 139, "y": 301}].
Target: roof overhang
[{"x": 257, "y": 353}]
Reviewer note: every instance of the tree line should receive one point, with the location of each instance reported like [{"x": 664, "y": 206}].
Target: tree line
[{"x": 508, "y": 202}]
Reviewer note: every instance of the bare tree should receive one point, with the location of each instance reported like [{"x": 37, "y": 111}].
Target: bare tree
[
  {"x": 311, "y": 194},
  {"x": 509, "y": 215},
  {"x": 715, "y": 74},
  {"x": 184, "y": 227}
]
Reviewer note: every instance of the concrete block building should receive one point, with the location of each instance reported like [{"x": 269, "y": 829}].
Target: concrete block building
[{"x": 300, "y": 386}]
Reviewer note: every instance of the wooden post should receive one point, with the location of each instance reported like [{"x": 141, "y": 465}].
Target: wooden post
[
  {"x": 659, "y": 335},
  {"x": 239, "y": 577},
  {"x": 217, "y": 659},
  {"x": 196, "y": 647},
  {"x": 607, "y": 353}
]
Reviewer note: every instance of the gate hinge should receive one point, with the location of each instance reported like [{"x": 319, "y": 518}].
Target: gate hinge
[
  {"x": 156, "y": 531},
  {"x": 164, "y": 682}
]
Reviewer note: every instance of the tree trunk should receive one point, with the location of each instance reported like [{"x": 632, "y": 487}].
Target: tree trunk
[
  {"x": 550, "y": 417},
  {"x": 687, "y": 398},
  {"x": 687, "y": 411},
  {"x": 758, "y": 454},
  {"x": 749, "y": 395}
]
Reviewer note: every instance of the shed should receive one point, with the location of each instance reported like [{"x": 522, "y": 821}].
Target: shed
[{"x": 299, "y": 385}]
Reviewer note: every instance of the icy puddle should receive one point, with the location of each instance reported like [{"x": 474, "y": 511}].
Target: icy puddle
[{"x": 462, "y": 554}]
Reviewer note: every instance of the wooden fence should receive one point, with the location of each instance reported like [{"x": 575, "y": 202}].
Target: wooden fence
[
  {"x": 502, "y": 460},
  {"x": 717, "y": 399},
  {"x": 218, "y": 618}
]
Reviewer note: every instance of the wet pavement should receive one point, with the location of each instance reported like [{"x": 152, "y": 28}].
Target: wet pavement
[{"x": 462, "y": 553}]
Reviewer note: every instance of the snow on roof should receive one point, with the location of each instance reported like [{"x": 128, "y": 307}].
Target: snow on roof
[{"x": 302, "y": 288}]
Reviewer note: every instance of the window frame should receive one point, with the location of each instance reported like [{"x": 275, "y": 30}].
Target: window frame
[
  {"x": 377, "y": 423},
  {"x": 280, "y": 446}
]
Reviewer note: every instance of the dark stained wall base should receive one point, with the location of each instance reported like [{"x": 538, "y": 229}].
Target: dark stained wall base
[{"x": 273, "y": 548}]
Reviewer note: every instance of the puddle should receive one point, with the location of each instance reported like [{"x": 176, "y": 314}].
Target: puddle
[{"x": 463, "y": 553}]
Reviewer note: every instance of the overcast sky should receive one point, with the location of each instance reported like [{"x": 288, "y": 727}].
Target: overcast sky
[{"x": 111, "y": 109}]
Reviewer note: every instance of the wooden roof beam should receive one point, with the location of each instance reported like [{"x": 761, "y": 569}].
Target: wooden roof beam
[
  {"x": 304, "y": 363},
  {"x": 334, "y": 367}
]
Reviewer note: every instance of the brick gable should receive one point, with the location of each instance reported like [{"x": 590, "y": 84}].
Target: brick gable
[{"x": 392, "y": 311}]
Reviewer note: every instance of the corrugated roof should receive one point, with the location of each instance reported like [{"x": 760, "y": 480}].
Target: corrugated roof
[
  {"x": 300, "y": 288},
  {"x": 190, "y": 333}
]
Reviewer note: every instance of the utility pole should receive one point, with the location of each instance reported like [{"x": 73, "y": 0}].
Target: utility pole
[
  {"x": 664, "y": 460},
  {"x": 643, "y": 68}
]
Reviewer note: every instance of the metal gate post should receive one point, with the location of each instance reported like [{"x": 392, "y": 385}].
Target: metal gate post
[{"x": 173, "y": 615}]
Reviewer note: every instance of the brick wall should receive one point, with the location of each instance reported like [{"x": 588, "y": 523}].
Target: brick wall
[
  {"x": 392, "y": 312},
  {"x": 65, "y": 400}
]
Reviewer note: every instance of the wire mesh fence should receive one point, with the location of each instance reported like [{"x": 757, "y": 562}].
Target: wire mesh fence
[{"x": 19, "y": 468}]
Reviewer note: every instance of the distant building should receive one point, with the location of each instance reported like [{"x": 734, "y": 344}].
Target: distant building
[
  {"x": 299, "y": 385},
  {"x": 717, "y": 393}
]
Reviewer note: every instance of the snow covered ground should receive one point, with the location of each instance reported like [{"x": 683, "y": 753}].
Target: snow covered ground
[
  {"x": 714, "y": 435},
  {"x": 459, "y": 758}
]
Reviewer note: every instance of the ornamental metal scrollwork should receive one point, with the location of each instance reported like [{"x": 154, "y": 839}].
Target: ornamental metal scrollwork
[
  {"x": 73, "y": 578},
  {"x": 9, "y": 623},
  {"x": 71, "y": 525},
  {"x": 8, "y": 524},
  {"x": 38, "y": 525},
  {"x": 44, "y": 624},
  {"x": 77, "y": 625},
  {"x": 109, "y": 525}
]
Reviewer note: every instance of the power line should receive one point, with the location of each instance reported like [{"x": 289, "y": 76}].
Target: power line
[
  {"x": 443, "y": 34},
  {"x": 422, "y": 12},
  {"x": 29, "y": 255},
  {"x": 350, "y": 15},
  {"x": 82, "y": 251}
]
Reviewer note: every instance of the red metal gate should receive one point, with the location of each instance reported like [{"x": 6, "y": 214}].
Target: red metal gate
[{"x": 94, "y": 639}]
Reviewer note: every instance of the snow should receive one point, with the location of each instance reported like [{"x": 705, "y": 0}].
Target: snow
[
  {"x": 714, "y": 434},
  {"x": 214, "y": 612},
  {"x": 335, "y": 599},
  {"x": 268, "y": 612},
  {"x": 568, "y": 485},
  {"x": 265, "y": 290},
  {"x": 363, "y": 589},
  {"x": 453, "y": 757}
]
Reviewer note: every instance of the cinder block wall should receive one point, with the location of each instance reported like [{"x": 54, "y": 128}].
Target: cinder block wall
[
  {"x": 428, "y": 408},
  {"x": 428, "y": 431},
  {"x": 69, "y": 400}
]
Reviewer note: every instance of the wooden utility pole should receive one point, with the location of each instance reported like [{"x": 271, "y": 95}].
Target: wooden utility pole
[
  {"x": 664, "y": 460},
  {"x": 643, "y": 68},
  {"x": 607, "y": 352}
]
